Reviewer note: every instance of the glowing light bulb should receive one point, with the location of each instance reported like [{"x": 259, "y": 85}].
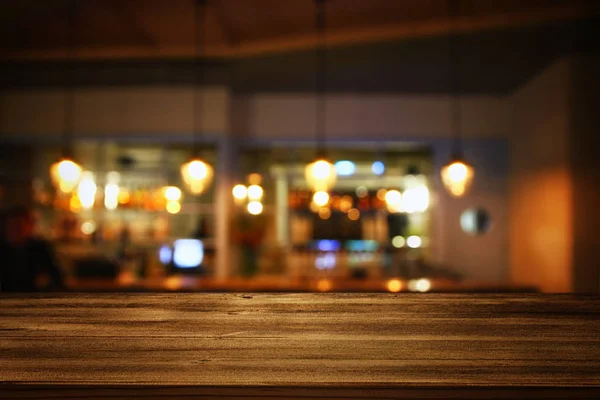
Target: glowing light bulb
[
  {"x": 173, "y": 206},
  {"x": 324, "y": 285},
  {"x": 65, "y": 175},
  {"x": 346, "y": 204},
  {"x": 86, "y": 191},
  {"x": 457, "y": 172},
  {"x": 172, "y": 193},
  {"x": 255, "y": 192},
  {"x": 321, "y": 198},
  {"x": 414, "y": 242},
  {"x": 398, "y": 242},
  {"x": 197, "y": 175},
  {"x": 353, "y": 214},
  {"x": 394, "y": 285},
  {"x": 255, "y": 207},
  {"x": 88, "y": 227},
  {"x": 420, "y": 285},
  {"x": 393, "y": 200},
  {"x": 320, "y": 175},
  {"x": 322, "y": 169},
  {"x": 393, "y": 197},
  {"x": 111, "y": 196},
  {"x": 457, "y": 177},
  {"x": 239, "y": 192},
  {"x": 416, "y": 199}
]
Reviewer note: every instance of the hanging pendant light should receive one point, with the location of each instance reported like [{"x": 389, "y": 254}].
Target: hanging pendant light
[
  {"x": 457, "y": 175},
  {"x": 65, "y": 174},
  {"x": 320, "y": 175},
  {"x": 197, "y": 174}
]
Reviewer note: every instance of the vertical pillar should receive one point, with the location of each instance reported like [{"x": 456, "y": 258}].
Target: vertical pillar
[
  {"x": 219, "y": 120},
  {"x": 281, "y": 208},
  {"x": 223, "y": 210}
]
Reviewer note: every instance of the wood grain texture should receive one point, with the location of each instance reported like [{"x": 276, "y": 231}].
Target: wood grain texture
[{"x": 300, "y": 345}]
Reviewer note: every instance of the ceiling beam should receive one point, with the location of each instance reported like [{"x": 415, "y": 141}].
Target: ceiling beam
[{"x": 413, "y": 30}]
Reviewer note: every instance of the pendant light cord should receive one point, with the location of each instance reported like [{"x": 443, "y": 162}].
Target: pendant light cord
[
  {"x": 70, "y": 80},
  {"x": 453, "y": 7},
  {"x": 321, "y": 75},
  {"x": 199, "y": 25}
]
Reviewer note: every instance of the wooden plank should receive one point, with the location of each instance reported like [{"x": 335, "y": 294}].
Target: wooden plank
[{"x": 325, "y": 345}]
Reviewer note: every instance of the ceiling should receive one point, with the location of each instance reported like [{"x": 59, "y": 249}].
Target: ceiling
[
  {"x": 160, "y": 29},
  {"x": 268, "y": 45}
]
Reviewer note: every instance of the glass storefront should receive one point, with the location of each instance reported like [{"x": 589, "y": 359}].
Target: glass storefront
[
  {"x": 131, "y": 221},
  {"x": 130, "y": 217},
  {"x": 375, "y": 223}
]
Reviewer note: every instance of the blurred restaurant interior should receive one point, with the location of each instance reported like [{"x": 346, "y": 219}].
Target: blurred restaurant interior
[{"x": 302, "y": 145}]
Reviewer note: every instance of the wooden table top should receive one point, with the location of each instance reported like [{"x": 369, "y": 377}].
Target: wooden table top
[{"x": 196, "y": 345}]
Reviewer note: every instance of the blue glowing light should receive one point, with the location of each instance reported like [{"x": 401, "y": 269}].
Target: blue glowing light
[
  {"x": 328, "y": 245},
  {"x": 378, "y": 168},
  {"x": 188, "y": 253},
  {"x": 345, "y": 168},
  {"x": 362, "y": 245},
  {"x": 165, "y": 254}
]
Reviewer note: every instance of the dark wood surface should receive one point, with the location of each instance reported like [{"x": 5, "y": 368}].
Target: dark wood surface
[{"x": 192, "y": 345}]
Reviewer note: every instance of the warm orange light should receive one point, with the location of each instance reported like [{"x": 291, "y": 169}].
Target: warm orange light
[
  {"x": 126, "y": 278},
  {"x": 239, "y": 192},
  {"x": 314, "y": 207},
  {"x": 320, "y": 175},
  {"x": 255, "y": 192},
  {"x": 324, "y": 285},
  {"x": 325, "y": 213},
  {"x": 254, "y": 179},
  {"x": 346, "y": 204},
  {"x": 321, "y": 198},
  {"x": 174, "y": 282},
  {"x": 173, "y": 206},
  {"x": 74, "y": 204},
  {"x": 197, "y": 175},
  {"x": 394, "y": 285},
  {"x": 65, "y": 175},
  {"x": 353, "y": 214},
  {"x": 457, "y": 177},
  {"x": 124, "y": 197}
]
